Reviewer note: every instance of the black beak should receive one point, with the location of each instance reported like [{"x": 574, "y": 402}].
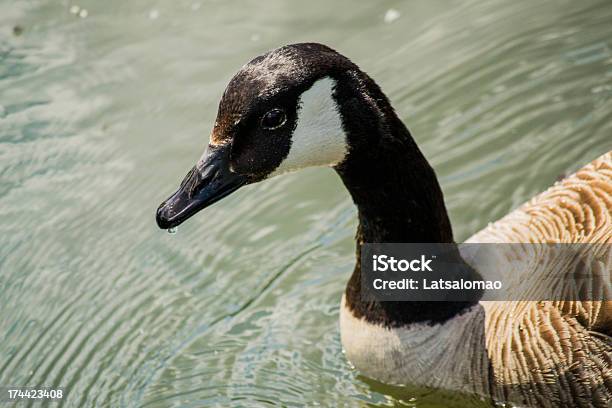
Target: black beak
[{"x": 206, "y": 183}]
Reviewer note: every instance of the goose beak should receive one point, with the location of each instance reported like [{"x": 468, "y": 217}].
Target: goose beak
[{"x": 206, "y": 183}]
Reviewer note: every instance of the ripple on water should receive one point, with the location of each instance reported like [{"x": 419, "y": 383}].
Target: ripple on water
[{"x": 102, "y": 116}]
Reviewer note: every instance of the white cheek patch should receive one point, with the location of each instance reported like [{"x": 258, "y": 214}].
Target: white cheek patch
[{"x": 318, "y": 139}]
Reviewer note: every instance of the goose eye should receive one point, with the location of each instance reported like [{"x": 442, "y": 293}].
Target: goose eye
[{"x": 273, "y": 119}]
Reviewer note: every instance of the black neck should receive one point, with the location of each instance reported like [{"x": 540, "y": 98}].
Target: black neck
[{"x": 398, "y": 200}]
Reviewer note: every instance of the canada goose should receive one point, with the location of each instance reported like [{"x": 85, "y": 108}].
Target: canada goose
[{"x": 306, "y": 105}]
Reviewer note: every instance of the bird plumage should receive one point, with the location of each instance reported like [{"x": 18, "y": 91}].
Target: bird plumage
[
  {"x": 536, "y": 353},
  {"x": 557, "y": 352}
]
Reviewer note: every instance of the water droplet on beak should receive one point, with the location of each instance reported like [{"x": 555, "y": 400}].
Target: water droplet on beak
[{"x": 172, "y": 230}]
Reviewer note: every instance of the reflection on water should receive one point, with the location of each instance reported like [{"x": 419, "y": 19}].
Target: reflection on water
[{"x": 105, "y": 105}]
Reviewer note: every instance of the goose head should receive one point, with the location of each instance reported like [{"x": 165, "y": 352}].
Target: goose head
[{"x": 285, "y": 110}]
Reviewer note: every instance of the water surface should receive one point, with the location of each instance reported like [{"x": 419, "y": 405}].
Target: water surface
[{"x": 102, "y": 113}]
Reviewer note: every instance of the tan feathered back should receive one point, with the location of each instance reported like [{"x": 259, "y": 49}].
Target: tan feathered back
[{"x": 556, "y": 353}]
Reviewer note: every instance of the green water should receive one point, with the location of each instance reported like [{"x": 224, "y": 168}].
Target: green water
[{"x": 101, "y": 117}]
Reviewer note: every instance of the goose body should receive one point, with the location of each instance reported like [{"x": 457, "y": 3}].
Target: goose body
[
  {"x": 535, "y": 353},
  {"x": 305, "y": 105}
]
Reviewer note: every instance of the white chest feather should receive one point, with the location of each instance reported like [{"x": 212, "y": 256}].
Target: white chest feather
[{"x": 451, "y": 355}]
